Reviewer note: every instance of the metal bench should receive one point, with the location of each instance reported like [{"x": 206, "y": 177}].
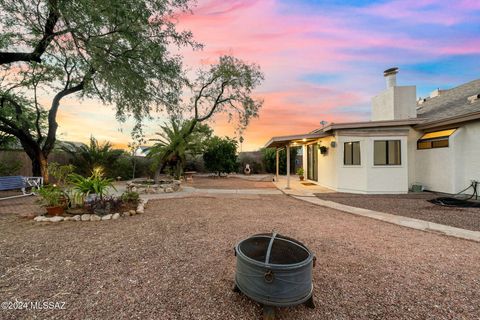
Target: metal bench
[{"x": 20, "y": 183}]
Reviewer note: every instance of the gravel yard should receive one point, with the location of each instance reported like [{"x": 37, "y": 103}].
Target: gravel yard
[
  {"x": 413, "y": 205},
  {"x": 227, "y": 183},
  {"x": 176, "y": 262}
]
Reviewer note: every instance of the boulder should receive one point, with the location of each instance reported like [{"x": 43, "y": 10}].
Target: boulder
[
  {"x": 169, "y": 190},
  {"x": 116, "y": 216},
  {"x": 94, "y": 217},
  {"x": 107, "y": 217},
  {"x": 85, "y": 217},
  {"x": 56, "y": 219},
  {"x": 132, "y": 212},
  {"x": 67, "y": 219},
  {"x": 39, "y": 218},
  {"x": 76, "y": 217}
]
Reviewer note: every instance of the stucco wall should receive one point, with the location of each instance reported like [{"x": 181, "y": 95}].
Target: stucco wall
[
  {"x": 366, "y": 177},
  {"x": 434, "y": 168},
  {"x": 466, "y": 143}
]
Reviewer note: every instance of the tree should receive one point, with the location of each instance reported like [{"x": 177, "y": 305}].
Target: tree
[
  {"x": 221, "y": 155},
  {"x": 87, "y": 158},
  {"x": 115, "y": 51},
  {"x": 226, "y": 87},
  {"x": 173, "y": 145}
]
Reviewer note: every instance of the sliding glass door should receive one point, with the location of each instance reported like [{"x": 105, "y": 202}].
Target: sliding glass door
[{"x": 312, "y": 162}]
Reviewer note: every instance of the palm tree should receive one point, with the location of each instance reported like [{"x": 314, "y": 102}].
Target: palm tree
[
  {"x": 175, "y": 142},
  {"x": 87, "y": 158}
]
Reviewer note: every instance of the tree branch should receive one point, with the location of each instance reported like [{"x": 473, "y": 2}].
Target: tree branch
[
  {"x": 52, "y": 114},
  {"x": 48, "y": 35}
]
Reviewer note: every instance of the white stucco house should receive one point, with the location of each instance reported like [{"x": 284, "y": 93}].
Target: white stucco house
[{"x": 433, "y": 142}]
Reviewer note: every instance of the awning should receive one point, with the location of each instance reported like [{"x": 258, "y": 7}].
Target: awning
[{"x": 277, "y": 142}]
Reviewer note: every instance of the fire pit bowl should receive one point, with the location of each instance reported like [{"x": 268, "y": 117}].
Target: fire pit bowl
[{"x": 274, "y": 270}]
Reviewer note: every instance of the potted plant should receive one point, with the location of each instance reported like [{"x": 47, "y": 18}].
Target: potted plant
[
  {"x": 323, "y": 150},
  {"x": 53, "y": 199},
  {"x": 300, "y": 173}
]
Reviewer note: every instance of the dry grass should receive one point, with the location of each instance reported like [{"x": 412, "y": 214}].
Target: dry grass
[{"x": 176, "y": 262}]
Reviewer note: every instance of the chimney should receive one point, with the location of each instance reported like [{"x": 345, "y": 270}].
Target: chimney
[
  {"x": 395, "y": 102},
  {"x": 391, "y": 77}
]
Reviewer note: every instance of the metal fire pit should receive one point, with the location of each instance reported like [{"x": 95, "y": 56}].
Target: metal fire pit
[{"x": 275, "y": 271}]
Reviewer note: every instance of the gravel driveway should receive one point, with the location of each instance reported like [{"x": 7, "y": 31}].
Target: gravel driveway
[
  {"x": 413, "y": 205},
  {"x": 176, "y": 262}
]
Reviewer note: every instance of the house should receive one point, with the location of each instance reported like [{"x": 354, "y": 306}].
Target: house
[{"x": 433, "y": 142}]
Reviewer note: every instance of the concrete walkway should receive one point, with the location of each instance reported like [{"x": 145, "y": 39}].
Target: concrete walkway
[
  {"x": 299, "y": 188},
  {"x": 398, "y": 220}
]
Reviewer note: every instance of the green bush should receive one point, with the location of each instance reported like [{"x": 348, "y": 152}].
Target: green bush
[
  {"x": 51, "y": 196},
  {"x": 130, "y": 197},
  {"x": 269, "y": 160},
  {"x": 221, "y": 155},
  {"x": 10, "y": 167}
]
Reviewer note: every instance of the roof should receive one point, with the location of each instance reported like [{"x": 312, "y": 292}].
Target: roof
[
  {"x": 370, "y": 124},
  {"x": 283, "y": 140},
  {"x": 450, "y": 107},
  {"x": 450, "y": 103}
]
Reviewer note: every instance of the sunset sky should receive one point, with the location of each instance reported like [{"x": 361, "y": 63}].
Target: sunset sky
[{"x": 323, "y": 60}]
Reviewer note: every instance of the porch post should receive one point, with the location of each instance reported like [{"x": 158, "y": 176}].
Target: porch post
[
  {"x": 277, "y": 163},
  {"x": 288, "y": 166}
]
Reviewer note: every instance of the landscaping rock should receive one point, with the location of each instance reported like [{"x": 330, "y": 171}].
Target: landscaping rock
[
  {"x": 56, "y": 219},
  {"x": 94, "y": 217},
  {"x": 169, "y": 190},
  {"x": 107, "y": 217},
  {"x": 140, "y": 209},
  {"x": 39, "y": 218},
  {"x": 116, "y": 216},
  {"x": 67, "y": 218},
  {"x": 126, "y": 214},
  {"x": 132, "y": 212},
  {"x": 76, "y": 217},
  {"x": 85, "y": 217}
]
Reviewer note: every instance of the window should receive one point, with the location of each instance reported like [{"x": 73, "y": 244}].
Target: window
[
  {"x": 351, "y": 153},
  {"x": 436, "y": 139},
  {"x": 387, "y": 152}
]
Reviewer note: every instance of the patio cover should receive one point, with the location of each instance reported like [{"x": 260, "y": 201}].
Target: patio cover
[{"x": 279, "y": 142}]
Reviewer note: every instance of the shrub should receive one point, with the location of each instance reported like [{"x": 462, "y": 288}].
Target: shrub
[
  {"x": 269, "y": 160},
  {"x": 300, "y": 172},
  {"x": 51, "y": 196},
  {"x": 10, "y": 166},
  {"x": 60, "y": 172},
  {"x": 131, "y": 197},
  {"x": 221, "y": 155},
  {"x": 102, "y": 206}
]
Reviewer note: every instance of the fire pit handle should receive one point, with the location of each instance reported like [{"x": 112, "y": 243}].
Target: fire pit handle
[{"x": 269, "y": 276}]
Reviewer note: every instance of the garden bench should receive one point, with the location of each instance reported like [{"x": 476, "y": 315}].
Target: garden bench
[{"x": 20, "y": 183}]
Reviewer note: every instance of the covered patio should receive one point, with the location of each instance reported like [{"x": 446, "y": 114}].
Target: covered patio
[{"x": 287, "y": 142}]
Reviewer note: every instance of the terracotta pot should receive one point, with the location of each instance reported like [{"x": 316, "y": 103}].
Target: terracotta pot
[
  {"x": 302, "y": 178},
  {"x": 55, "y": 211}
]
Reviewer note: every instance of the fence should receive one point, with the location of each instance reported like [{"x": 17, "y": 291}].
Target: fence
[{"x": 17, "y": 162}]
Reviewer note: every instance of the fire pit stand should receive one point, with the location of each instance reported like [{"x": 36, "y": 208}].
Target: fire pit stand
[{"x": 275, "y": 271}]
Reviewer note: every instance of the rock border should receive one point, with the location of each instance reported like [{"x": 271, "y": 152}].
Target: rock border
[{"x": 94, "y": 217}]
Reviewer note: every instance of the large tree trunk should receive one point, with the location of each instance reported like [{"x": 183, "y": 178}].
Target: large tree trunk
[{"x": 40, "y": 166}]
